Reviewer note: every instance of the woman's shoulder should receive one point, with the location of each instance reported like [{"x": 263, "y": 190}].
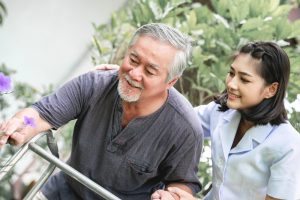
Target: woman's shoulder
[
  {"x": 286, "y": 136},
  {"x": 287, "y": 130}
]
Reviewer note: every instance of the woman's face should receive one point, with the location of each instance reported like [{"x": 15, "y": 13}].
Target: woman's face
[{"x": 245, "y": 87}]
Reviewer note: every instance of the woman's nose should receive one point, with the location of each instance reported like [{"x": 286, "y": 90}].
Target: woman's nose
[{"x": 232, "y": 83}]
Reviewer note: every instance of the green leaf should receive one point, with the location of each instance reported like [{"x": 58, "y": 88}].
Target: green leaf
[
  {"x": 224, "y": 46},
  {"x": 156, "y": 10},
  {"x": 3, "y": 12},
  {"x": 282, "y": 33},
  {"x": 96, "y": 42},
  {"x": 238, "y": 9},
  {"x": 295, "y": 29},
  {"x": 167, "y": 10},
  {"x": 177, "y": 3},
  {"x": 221, "y": 20},
  {"x": 282, "y": 11},
  {"x": 176, "y": 12},
  {"x": 221, "y": 6},
  {"x": 113, "y": 21},
  {"x": 146, "y": 12},
  {"x": 272, "y": 5},
  {"x": 260, "y": 8},
  {"x": 191, "y": 19},
  {"x": 204, "y": 15},
  {"x": 252, "y": 24},
  {"x": 163, "y": 3}
]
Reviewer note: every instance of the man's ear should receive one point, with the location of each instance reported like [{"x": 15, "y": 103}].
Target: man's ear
[
  {"x": 271, "y": 90},
  {"x": 172, "y": 82}
]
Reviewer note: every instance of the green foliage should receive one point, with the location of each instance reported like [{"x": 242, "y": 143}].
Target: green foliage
[
  {"x": 5, "y": 186},
  {"x": 295, "y": 120},
  {"x": 216, "y": 34},
  {"x": 2, "y": 12},
  {"x": 23, "y": 95}
]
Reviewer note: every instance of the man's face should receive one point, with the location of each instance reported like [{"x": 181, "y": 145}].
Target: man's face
[{"x": 144, "y": 70}]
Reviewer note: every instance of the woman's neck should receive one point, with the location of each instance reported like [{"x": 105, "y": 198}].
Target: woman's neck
[{"x": 243, "y": 127}]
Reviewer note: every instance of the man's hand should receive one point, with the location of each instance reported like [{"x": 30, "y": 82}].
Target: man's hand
[
  {"x": 181, "y": 187},
  {"x": 106, "y": 67},
  {"x": 162, "y": 195},
  {"x": 172, "y": 193},
  {"x": 12, "y": 131},
  {"x": 183, "y": 195},
  {"x": 22, "y": 127}
]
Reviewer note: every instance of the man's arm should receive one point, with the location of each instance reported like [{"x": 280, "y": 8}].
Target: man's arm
[{"x": 17, "y": 131}]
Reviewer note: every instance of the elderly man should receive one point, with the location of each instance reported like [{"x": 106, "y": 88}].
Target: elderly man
[{"x": 134, "y": 132}]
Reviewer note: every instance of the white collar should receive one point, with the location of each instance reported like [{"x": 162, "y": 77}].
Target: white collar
[{"x": 253, "y": 137}]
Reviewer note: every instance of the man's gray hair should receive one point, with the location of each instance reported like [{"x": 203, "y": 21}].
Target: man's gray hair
[{"x": 172, "y": 36}]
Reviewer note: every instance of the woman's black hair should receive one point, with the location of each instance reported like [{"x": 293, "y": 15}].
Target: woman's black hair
[{"x": 274, "y": 67}]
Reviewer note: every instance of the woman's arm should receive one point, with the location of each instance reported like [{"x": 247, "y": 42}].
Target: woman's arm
[{"x": 270, "y": 198}]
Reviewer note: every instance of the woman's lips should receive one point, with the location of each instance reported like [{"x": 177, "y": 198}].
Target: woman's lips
[{"x": 233, "y": 96}]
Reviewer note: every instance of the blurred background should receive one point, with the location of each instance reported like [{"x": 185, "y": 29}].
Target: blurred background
[{"x": 45, "y": 43}]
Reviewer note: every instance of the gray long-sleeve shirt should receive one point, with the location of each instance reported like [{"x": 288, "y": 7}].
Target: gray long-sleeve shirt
[{"x": 162, "y": 147}]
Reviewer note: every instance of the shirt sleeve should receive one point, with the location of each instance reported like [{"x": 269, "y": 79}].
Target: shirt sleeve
[
  {"x": 181, "y": 165},
  {"x": 284, "y": 182},
  {"x": 66, "y": 103},
  {"x": 204, "y": 112}
]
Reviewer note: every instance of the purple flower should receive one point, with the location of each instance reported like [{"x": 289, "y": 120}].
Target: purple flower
[
  {"x": 29, "y": 121},
  {"x": 5, "y": 84}
]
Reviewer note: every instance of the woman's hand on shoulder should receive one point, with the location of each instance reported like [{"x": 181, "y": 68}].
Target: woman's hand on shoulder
[
  {"x": 106, "y": 67},
  {"x": 270, "y": 198}
]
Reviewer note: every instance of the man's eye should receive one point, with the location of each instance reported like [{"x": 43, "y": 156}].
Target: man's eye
[
  {"x": 149, "y": 72},
  {"x": 133, "y": 61}
]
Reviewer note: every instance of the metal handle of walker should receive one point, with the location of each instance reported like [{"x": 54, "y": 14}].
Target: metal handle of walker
[{"x": 54, "y": 161}]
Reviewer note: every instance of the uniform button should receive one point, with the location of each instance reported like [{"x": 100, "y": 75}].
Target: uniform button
[{"x": 112, "y": 148}]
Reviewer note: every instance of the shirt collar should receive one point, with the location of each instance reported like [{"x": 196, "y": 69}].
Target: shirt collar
[
  {"x": 254, "y": 136},
  {"x": 228, "y": 129},
  {"x": 260, "y": 132}
]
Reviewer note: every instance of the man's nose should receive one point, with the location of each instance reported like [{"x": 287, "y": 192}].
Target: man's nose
[{"x": 136, "y": 73}]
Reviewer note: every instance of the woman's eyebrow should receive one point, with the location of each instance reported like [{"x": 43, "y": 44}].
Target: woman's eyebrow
[{"x": 241, "y": 72}]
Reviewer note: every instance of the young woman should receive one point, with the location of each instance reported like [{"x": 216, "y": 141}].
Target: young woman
[{"x": 255, "y": 150}]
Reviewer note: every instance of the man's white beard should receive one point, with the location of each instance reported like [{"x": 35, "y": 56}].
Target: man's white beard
[{"x": 124, "y": 92}]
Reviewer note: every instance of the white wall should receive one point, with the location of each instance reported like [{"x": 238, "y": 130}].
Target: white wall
[{"x": 44, "y": 39}]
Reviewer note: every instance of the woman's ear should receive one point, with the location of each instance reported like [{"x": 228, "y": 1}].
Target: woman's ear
[{"x": 271, "y": 90}]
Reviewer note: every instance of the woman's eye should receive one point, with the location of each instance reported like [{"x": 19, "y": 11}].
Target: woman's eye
[
  {"x": 244, "y": 80},
  {"x": 231, "y": 73}
]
